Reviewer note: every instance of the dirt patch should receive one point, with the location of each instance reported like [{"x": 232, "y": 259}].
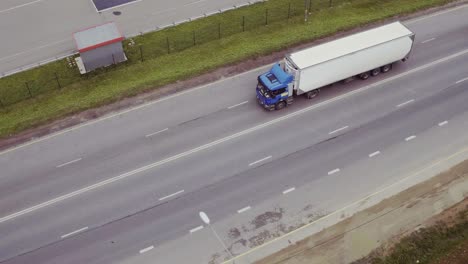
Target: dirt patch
[
  {"x": 266, "y": 218},
  {"x": 220, "y": 73}
]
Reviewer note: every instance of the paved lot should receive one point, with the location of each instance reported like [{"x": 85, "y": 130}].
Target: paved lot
[{"x": 37, "y": 30}]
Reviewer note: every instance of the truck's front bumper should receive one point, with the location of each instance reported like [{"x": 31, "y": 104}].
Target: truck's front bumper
[{"x": 267, "y": 107}]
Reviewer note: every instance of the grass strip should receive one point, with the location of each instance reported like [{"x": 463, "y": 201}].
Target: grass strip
[
  {"x": 75, "y": 93},
  {"x": 431, "y": 245}
]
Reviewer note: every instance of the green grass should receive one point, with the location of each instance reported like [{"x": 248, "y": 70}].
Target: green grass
[
  {"x": 429, "y": 245},
  {"x": 185, "y": 60}
]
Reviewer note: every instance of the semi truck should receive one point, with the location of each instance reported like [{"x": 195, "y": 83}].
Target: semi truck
[{"x": 361, "y": 55}]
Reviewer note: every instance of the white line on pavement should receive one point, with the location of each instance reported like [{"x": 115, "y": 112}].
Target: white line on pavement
[
  {"x": 236, "y": 105},
  {"x": 146, "y": 249},
  {"x": 243, "y": 209},
  {"x": 333, "y": 171},
  {"x": 260, "y": 160},
  {"x": 339, "y": 129},
  {"x": 443, "y": 123},
  {"x": 74, "y": 232},
  {"x": 68, "y": 163},
  {"x": 208, "y": 145},
  {"x": 170, "y": 195},
  {"x": 410, "y": 138},
  {"x": 19, "y": 6},
  {"x": 289, "y": 190},
  {"x": 374, "y": 154},
  {"x": 435, "y": 14},
  {"x": 405, "y": 103},
  {"x": 462, "y": 80},
  {"x": 35, "y": 48},
  {"x": 428, "y": 40},
  {"x": 157, "y": 132},
  {"x": 304, "y": 110},
  {"x": 196, "y": 229}
]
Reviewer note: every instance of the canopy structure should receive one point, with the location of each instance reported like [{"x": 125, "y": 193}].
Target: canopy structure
[{"x": 99, "y": 46}]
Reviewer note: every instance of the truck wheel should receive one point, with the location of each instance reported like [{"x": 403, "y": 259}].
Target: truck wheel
[
  {"x": 375, "y": 72},
  {"x": 364, "y": 75},
  {"x": 280, "y": 105},
  {"x": 386, "y": 68},
  {"x": 312, "y": 94}
]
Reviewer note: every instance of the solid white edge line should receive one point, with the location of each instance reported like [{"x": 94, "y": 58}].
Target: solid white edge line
[
  {"x": 236, "y": 105},
  {"x": 243, "y": 209},
  {"x": 289, "y": 190},
  {"x": 443, "y": 123},
  {"x": 68, "y": 163},
  {"x": 462, "y": 80},
  {"x": 196, "y": 229},
  {"x": 410, "y": 138},
  {"x": 374, "y": 154},
  {"x": 170, "y": 195},
  {"x": 146, "y": 249},
  {"x": 405, "y": 103},
  {"x": 339, "y": 129},
  {"x": 157, "y": 132},
  {"x": 427, "y": 40},
  {"x": 362, "y": 89},
  {"x": 411, "y": 21},
  {"x": 333, "y": 171},
  {"x": 260, "y": 160},
  {"x": 74, "y": 232},
  {"x": 219, "y": 141}
]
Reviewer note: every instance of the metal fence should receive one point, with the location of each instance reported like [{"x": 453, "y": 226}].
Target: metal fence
[{"x": 57, "y": 75}]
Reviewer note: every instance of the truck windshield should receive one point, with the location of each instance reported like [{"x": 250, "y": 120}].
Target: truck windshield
[{"x": 263, "y": 90}]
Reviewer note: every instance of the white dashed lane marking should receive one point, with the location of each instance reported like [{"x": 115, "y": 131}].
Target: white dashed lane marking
[
  {"x": 339, "y": 129},
  {"x": 333, "y": 171},
  {"x": 260, "y": 160},
  {"x": 443, "y": 123},
  {"x": 405, "y": 103},
  {"x": 75, "y": 232},
  {"x": 146, "y": 249},
  {"x": 374, "y": 154},
  {"x": 243, "y": 209},
  {"x": 410, "y": 138},
  {"x": 236, "y": 105},
  {"x": 289, "y": 190},
  {"x": 196, "y": 229},
  {"x": 68, "y": 163}
]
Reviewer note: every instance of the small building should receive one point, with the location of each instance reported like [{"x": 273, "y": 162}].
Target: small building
[{"x": 99, "y": 46}]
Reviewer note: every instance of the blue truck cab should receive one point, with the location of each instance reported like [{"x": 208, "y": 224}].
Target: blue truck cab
[{"x": 274, "y": 88}]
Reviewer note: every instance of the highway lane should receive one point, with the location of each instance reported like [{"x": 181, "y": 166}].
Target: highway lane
[
  {"x": 297, "y": 163},
  {"x": 38, "y": 30},
  {"x": 319, "y": 123},
  {"x": 104, "y": 149}
]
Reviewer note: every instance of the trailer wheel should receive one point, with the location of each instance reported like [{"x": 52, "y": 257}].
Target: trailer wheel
[
  {"x": 375, "y": 72},
  {"x": 364, "y": 75},
  {"x": 386, "y": 68},
  {"x": 280, "y": 105},
  {"x": 312, "y": 94}
]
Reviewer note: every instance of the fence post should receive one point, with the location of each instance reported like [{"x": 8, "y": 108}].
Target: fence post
[
  {"x": 289, "y": 11},
  {"x": 1, "y": 103},
  {"x": 29, "y": 90},
  {"x": 310, "y": 7},
  {"x": 194, "y": 42},
  {"x": 305, "y": 11},
  {"x": 219, "y": 30},
  {"x": 168, "y": 45},
  {"x": 113, "y": 58},
  {"x": 243, "y": 23},
  {"x": 330, "y": 3},
  {"x": 57, "y": 79},
  {"x": 266, "y": 16},
  {"x": 141, "y": 52}
]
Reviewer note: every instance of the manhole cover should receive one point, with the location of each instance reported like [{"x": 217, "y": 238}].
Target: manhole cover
[{"x": 117, "y": 13}]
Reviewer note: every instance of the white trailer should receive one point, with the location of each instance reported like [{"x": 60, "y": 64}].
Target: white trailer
[{"x": 364, "y": 54}]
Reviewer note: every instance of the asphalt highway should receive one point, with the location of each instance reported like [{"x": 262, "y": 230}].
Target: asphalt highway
[
  {"x": 98, "y": 191},
  {"x": 35, "y": 31}
]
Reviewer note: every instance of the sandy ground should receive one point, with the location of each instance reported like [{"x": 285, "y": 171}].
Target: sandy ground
[{"x": 379, "y": 227}]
